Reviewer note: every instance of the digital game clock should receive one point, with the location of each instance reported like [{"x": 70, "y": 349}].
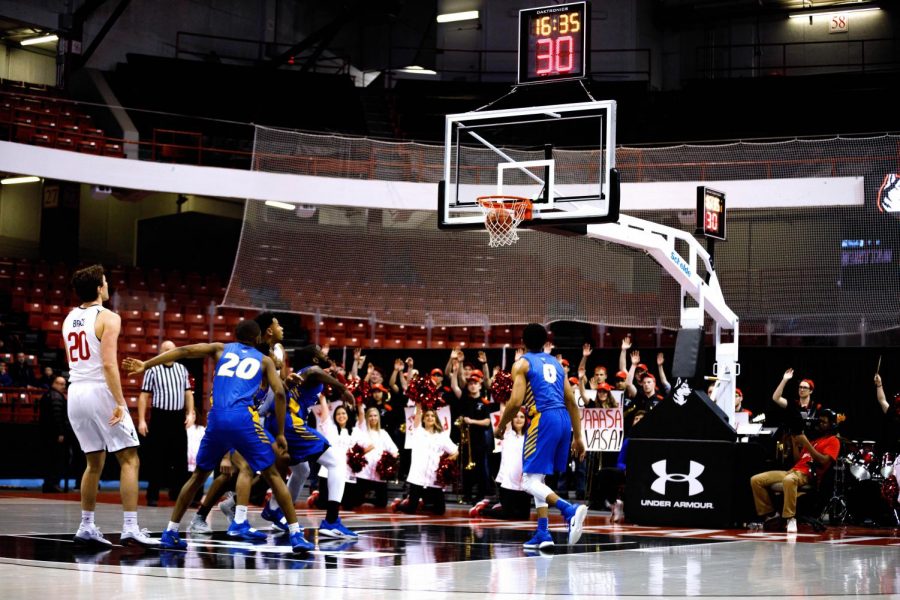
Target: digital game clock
[{"x": 554, "y": 42}]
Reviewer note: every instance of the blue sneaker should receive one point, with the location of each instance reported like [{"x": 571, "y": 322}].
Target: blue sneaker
[
  {"x": 245, "y": 532},
  {"x": 576, "y": 523},
  {"x": 275, "y": 517},
  {"x": 171, "y": 541},
  {"x": 336, "y": 530},
  {"x": 300, "y": 544},
  {"x": 542, "y": 539}
]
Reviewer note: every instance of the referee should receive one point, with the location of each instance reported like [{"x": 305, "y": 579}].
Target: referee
[{"x": 169, "y": 387}]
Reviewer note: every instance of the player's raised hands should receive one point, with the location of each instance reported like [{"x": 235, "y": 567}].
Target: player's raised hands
[{"x": 132, "y": 366}]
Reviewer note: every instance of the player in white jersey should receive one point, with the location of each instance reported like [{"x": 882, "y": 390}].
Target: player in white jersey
[{"x": 96, "y": 406}]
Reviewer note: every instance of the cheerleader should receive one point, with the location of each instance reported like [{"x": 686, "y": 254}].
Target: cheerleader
[
  {"x": 339, "y": 433},
  {"x": 429, "y": 444},
  {"x": 375, "y": 441},
  {"x": 515, "y": 504}
]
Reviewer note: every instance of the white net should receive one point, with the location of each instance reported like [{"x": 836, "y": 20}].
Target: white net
[
  {"x": 802, "y": 269},
  {"x": 502, "y": 215}
]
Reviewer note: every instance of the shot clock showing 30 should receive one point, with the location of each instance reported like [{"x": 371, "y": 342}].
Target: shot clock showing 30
[
  {"x": 711, "y": 212},
  {"x": 553, "y": 42}
]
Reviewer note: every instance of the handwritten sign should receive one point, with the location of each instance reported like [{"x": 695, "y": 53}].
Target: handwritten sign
[
  {"x": 410, "y": 411},
  {"x": 603, "y": 429}
]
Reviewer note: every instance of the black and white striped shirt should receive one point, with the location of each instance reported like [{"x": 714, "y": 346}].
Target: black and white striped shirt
[{"x": 167, "y": 384}]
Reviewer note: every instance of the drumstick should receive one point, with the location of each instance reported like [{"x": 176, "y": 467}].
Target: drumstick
[{"x": 878, "y": 368}]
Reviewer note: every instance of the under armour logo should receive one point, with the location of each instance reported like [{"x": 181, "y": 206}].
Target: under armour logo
[{"x": 694, "y": 485}]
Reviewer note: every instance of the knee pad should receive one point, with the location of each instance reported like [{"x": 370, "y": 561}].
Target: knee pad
[{"x": 533, "y": 483}]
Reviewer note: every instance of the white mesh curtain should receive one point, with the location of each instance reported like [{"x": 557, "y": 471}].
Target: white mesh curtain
[{"x": 786, "y": 271}]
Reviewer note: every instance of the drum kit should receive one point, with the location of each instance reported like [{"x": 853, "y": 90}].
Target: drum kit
[{"x": 865, "y": 485}]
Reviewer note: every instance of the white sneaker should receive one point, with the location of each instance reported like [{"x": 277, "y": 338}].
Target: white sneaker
[
  {"x": 618, "y": 512},
  {"x": 91, "y": 535},
  {"x": 199, "y": 526},
  {"x": 142, "y": 538},
  {"x": 791, "y": 525},
  {"x": 576, "y": 524},
  {"x": 227, "y": 506}
]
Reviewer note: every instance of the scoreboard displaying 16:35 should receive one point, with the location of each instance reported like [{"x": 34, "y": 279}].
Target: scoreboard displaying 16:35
[{"x": 554, "y": 42}]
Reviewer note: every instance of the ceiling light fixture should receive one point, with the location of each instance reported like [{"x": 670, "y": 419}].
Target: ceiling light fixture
[
  {"x": 833, "y": 10},
  {"x": 281, "y": 205},
  {"x": 40, "y": 40},
  {"x": 15, "y": 180},
  {"x": 467, "y": 15}
]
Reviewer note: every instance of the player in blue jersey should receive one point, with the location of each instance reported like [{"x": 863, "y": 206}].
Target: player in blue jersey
[
  {"x": 233, "y": 423},
  {"x": 540, "y": 385},
  {"x": 305, "y": 443}
]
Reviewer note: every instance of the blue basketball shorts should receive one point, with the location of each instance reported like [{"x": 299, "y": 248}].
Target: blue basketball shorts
[
  {"x": 304, "y": 443},
  {"x": 238, "y": 429},
  {"x": 547, "y": 443}
]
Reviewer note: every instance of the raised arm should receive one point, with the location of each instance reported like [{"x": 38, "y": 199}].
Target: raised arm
[
  {"x": 630, "y": 388},
  {"x": 398, "y": 367},
  {"x": 778, "y": 395},
  {"x": 660, "y": 362},
  {"x": 879, "y": 394},
  {"x": 483, "y": 361},
  {"x": 582, "y": 366},
  {"x": 626, "y": 346},
  {"x": 275, "y": 384}
]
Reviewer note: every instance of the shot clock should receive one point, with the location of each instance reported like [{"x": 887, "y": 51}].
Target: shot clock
[
  {"x": 554, "y": 42},
  {"x": 711, "y": 212}
]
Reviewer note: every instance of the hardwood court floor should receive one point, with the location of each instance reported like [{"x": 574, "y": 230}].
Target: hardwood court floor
[{"x": 405, "y": 557}]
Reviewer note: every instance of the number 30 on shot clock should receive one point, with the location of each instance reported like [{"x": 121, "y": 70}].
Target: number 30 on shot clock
[
  {"x": 710, "y": 212},
  {"x": 554, "y": 42}
]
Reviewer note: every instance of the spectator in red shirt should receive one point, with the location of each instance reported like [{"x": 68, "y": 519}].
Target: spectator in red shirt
[{"x": 819, "y": 454}]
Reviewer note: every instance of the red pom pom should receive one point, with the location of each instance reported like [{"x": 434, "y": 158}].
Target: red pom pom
[
  {"x": 421, "y": 390},
  {"x": 447, "y": 471},
  {"x": 387, "y": 466},
  {"x": 501, "y": 387},
  {"x": 356, "y": 458}
]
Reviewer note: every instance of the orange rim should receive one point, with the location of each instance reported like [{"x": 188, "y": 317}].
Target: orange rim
[{"x": 512, "y": 203}]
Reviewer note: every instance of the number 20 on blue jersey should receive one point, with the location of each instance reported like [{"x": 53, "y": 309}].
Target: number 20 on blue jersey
[{"x": 232, "y": 366}]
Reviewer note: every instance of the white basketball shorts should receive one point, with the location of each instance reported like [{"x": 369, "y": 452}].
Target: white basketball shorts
[{"x": 90, "y": 407}]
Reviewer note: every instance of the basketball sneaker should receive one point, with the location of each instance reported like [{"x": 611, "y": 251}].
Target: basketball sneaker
[
  {"x": 791, "y": 526},
  {"x": 138, "y": 537},
  {"x": 91, "y": 535},
  {"x": 245, "y": 532},
  {"x": 617, "y": 512},
  {"x": 311, "y": 501},
  {"x": 199, "y": 526},
  {"x": 336, "y": 530},
  {"x": 227, "y": 506},
  {"x": 300, "y": 544},
  {"x": 576, "y": 523},
  {"x": 171, "y": 541},
  {"x": 475, "y": 511},
  {"x": 395, "y": 504},
  {"x": 275, "y": 517},
  {"x": 541, "y": 539}
]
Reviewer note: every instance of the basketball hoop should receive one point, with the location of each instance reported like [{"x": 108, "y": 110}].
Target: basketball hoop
[{"x": 502, "y": 215}]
